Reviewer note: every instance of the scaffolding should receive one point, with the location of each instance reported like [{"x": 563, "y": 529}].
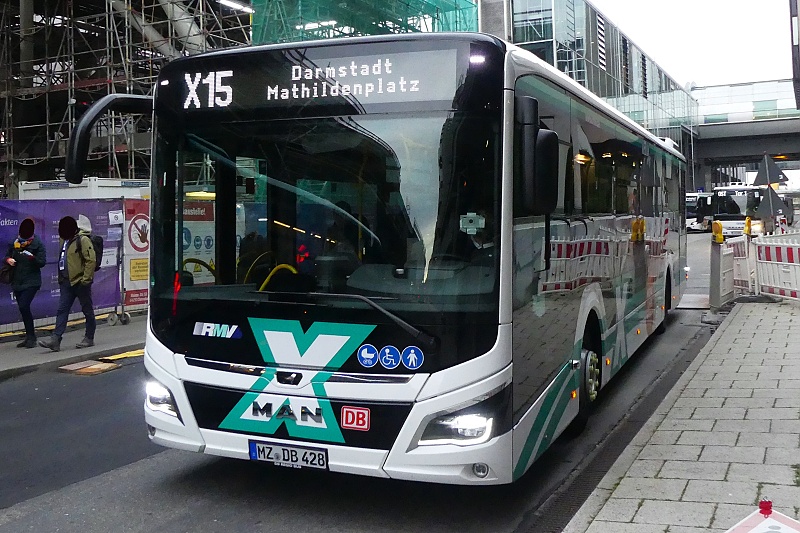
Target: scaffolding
[{"x": 57, "y": 57}]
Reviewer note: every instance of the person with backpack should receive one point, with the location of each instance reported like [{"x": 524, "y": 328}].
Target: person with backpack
[
  {"x": 27, "y": 256},
  {"x": 76, "y": 267}
]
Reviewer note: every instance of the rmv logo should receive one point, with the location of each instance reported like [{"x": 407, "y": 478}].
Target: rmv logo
[{"x": 208, "y": 329}]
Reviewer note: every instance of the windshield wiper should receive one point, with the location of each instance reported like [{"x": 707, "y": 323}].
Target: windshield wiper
[{"x": 429, "y": 342}]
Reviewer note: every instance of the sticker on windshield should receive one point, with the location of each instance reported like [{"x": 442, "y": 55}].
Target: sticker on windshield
[
  {"x": 412, "y": 357},
  {"x": 390, "y": 357},
  {"x": 368, "y": 356}
]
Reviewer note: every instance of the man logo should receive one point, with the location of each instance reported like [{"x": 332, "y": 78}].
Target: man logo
[{"x": 208, "y": 329}]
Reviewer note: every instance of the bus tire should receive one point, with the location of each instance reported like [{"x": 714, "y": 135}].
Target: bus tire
[
  {"x": 667, "y": 305},
  {"x": 591, "y": 369}
]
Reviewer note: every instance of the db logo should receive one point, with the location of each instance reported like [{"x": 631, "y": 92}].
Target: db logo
[{"x": 355, "y": 418}]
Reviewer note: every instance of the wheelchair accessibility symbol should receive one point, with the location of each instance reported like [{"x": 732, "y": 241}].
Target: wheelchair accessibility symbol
[{"x": 390, "y": 357}]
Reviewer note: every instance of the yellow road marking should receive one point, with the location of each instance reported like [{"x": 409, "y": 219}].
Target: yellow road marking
[{"x": 124, "y": 355}]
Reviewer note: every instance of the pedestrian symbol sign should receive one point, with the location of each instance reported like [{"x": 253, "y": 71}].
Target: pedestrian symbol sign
[{"x": 412, "y": 357}]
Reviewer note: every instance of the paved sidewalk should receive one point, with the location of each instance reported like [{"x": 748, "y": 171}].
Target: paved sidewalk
[
  {"x": 726, "y": 436},
  {"x": 109, "y": 340}
]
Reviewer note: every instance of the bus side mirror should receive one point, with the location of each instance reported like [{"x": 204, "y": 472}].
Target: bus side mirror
[
  {"x": 78, "y": 148},
  {"x": 538, "y": 161}
]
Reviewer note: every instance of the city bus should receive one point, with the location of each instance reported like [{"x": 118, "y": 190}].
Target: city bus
[{"x": 416, "y": 257}]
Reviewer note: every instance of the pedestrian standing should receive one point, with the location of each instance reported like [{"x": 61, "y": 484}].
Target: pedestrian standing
[
  {"x": 27, "y": 256},
  {"x": 76, "y": 264}
]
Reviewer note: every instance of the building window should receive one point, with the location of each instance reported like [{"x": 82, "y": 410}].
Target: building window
[
  {"x": 714, "y": 119},
  {"x": 644, "y": 76},
  {"x": 601, "y": 42},
  {"x": 765, "y": 109},
  {"x": 533, "y": 20}
]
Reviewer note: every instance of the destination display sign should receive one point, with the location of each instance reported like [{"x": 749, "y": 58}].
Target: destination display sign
[{"x": 289, "y": 78}]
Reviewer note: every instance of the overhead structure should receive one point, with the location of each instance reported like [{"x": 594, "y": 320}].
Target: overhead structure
[{"x": 277, "y": 21}]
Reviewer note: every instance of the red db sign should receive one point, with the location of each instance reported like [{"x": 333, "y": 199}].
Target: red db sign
[{"x": 355, "y": 418}]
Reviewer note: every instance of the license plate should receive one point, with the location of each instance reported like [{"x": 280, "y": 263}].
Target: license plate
[{"x": 289, "y": 456}]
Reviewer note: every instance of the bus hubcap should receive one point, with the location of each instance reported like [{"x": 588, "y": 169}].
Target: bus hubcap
[{"x": 592, "y": 369}]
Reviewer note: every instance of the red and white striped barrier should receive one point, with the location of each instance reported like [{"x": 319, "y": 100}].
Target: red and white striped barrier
[
  {"x": 576, "y": 263},
  {"x": 743, "y": 264},
  {"x": 778, "y": 265}
]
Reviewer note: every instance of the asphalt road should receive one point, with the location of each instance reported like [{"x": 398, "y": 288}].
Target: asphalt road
[{"x": 75, "y": 457}]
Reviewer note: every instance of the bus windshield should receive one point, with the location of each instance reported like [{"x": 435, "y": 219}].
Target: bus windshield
[{"x": 386, "y": 218}]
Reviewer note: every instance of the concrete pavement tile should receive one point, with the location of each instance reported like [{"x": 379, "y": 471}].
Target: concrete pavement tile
[
  {"x": 699, "y": 383},
  {"x": 692, "y": 403},
  {"x": 733, "y": 454},
  {"x": 719, "y": 413},
  {"x": 786, "y": 426},
  {"x": 782, "y": 496},
  {"x": 776, "y": 393},
  {"x": 781, "y": 413},
  {"x": 789, "y": 384},
  {"x": 695, "y": 514},
  {"x": 753, "y": 426},
  {"x": 665, "y": 437},
  {"x": 750, "y": 403},
  {"x": 755, "y": 384},
  {"x": 686, "y": 425},
  {"x": 638, "y": 488},
  {"x": 693, "y": 393},
  {"x": 719, "y": 438},
  {"x": 775, "y": 474},
  {"x": 777, "y": 440},
  {"x": 793, "y": 401},
  {"x": 675, "y": 451},
  {"x": 645, "y": 468},
  {"x": 694, "y": 470},
  {"x": 728, "y": 515},
  {"x": 617, "y": 527},
  {"x": 728, "y": 393},
  {"x": 782, "y": 456},
  {"x": 721, "y": 492},
  {"x": 734, "y": 375},
  {"x": 680, "y": 413},
  {"x": 618, "y": 510}
]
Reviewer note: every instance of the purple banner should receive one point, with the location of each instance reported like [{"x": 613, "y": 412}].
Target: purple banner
[{"x": 46, "y": 214}]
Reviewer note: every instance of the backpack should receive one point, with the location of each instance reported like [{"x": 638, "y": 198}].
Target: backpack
[{"x": 97, "y": 244}]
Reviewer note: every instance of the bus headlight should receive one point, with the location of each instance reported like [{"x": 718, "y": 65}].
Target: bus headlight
[
  {"x": 462, "y": 430},
  {"x": 756, "y": 227},
  {"x": 159, "y": 398},
  {"x": 470, "y": 425}
]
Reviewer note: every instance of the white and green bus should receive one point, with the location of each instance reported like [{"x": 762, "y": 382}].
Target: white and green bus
[{"x": 417, "y": 257}]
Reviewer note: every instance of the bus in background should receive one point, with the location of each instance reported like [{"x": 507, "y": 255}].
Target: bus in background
[
  {"x": 427, "y": 254},
  {"x": 733, "y": 204},
  {"x": 698, "y": 211}
]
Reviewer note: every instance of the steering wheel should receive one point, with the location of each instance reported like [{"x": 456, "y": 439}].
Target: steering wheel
[
  {"x": 202, "y": 264},
  {"x": 282, "y": 266}
]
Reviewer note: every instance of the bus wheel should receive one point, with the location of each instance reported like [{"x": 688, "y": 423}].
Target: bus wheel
[{"x": 589, "y": 388}]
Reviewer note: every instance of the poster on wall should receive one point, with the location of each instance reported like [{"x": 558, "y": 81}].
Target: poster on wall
[
  {"x": 46, "y": 214},
  {"x": 199, "y": 248},
  {"x": 136, "y": 234}
]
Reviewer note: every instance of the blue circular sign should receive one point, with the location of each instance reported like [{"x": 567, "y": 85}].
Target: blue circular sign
[
  {"x": 198, "y": 242},
  {"x": 187, "y": 238},
  {"x": 412, "y": 357},
  {"x": 390, "y": 357},
  {"x": 209, "y": 242},
  {"x": 367, "y": 356}
]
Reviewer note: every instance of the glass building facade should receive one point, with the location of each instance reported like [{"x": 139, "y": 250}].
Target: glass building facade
[
  {"x": 744, "y": 102},
  {"x": 577, "y": 39}
]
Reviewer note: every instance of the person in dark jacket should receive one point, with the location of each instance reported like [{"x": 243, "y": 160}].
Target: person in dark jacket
[
  {"x": 27, "y": 255},
  {"x": 76, "y": 264}
]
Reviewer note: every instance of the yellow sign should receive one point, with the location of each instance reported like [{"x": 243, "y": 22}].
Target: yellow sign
[{"x": 139, "y": 269}]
